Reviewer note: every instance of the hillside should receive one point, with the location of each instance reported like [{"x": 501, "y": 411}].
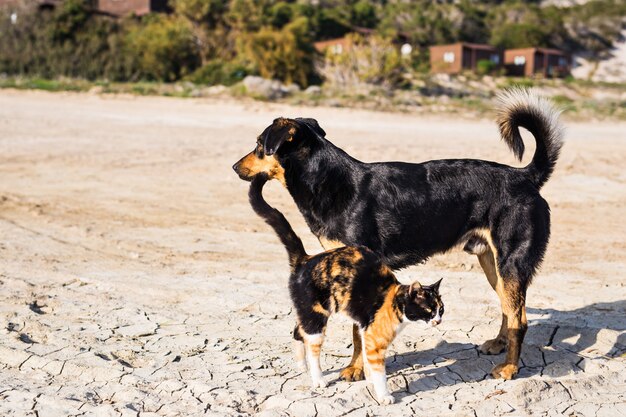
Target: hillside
[{"x": 220, "y": 42}]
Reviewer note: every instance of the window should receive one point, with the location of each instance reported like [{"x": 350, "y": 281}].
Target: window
[
  {"x": 562, "y": 62},
  {"x": 448, "y": 57},
  {"x": 495, "y": 58},
  {"x": 519, "y": 60},
  {"x": 337, "y": 49}
]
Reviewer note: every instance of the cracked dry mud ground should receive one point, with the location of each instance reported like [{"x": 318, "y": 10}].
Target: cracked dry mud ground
[{"x": 135, "y": 279}]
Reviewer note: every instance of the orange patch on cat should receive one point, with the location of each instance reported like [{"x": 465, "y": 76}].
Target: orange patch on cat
[{"x": 317, "y": 307}]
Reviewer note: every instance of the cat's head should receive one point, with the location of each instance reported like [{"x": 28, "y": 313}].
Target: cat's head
[{"x": 424, "y": 303}]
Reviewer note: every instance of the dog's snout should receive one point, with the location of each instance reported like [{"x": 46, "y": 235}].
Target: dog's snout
[{"x": 242, "y": 171}]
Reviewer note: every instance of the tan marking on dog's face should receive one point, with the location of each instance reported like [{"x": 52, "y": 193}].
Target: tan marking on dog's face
[
  {"x": 282, "y": 122},
  {"x": 256, "y": 162}
]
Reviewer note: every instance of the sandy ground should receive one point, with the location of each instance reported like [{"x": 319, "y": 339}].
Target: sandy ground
[{"x": 135, "y": 279}]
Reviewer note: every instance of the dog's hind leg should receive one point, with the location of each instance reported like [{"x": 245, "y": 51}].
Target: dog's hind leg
[
  {"x": 519, "y": 243},
  {"x": 496, "y": 345},
  {"x": 512, "y": 293},
  {"x": 516, "y": 247}
]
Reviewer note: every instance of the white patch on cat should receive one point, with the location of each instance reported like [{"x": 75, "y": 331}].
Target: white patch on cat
[
  {"x": 366, "y": 365},
  {"x": 379, "y": 380},
  {"x": 317, "y": 380},
  {"x": 435, "y": 321},
  {"x": 402, "y": 325}
]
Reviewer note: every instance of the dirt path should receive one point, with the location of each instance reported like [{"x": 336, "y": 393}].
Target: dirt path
[{"x": 135, "y": 279}]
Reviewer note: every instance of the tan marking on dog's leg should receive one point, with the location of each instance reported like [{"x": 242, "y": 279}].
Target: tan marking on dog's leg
[
  {"x": 513, "y": 299},
  {"x": 498, "y": 344},
  {"x": 513, "y": 302},
  {"x": 329, "y": 244}
]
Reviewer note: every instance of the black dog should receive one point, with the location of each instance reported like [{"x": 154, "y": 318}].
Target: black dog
[{"x": 408, "y": 212}]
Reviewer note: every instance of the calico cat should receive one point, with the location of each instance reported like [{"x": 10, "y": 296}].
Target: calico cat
[{"x": 353, "y": 281}]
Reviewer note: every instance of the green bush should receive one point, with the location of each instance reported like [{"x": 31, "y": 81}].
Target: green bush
[
  {"x": 364, "y": 14},
  {"x": 203, "y": 39},
  {"x": 281, "y": 14},
  {"x": 518, "y": 35},
  {"x": 371, "y": 60},
  {"x": 67, "y": 42},
  {"x": 164, "y": 48},
  {"x": 217, "y": 72},
  {"x": 485, "y": 66},
  {"x": 519, "y": 82},
  {"x": 285, "y": 54}
]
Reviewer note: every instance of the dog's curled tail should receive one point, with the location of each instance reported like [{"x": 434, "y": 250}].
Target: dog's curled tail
[
  {"x": 522, "y": 107},
  {"x": 273, "y": 217}
]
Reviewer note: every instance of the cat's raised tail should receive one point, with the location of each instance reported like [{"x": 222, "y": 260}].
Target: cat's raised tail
[{"x": 273, "y": 217}]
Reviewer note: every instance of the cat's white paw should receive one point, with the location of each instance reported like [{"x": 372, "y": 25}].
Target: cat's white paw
[
  {"x": 319, "y": 383},
  {"x": 386, "y": 399}
]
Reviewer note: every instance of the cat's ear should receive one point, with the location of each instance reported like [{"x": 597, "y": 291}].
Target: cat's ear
[
  {"x": 415, "y": 289},
  {"x": 435, "y": 286}
]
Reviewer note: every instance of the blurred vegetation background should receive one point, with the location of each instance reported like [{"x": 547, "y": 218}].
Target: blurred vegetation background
[{"x": 221, "y": 41}]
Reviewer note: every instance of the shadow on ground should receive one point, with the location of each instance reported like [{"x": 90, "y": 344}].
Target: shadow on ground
[{"x": 556, "y": 345}]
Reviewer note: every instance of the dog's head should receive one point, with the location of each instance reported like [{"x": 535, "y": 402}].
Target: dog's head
[{"x": 280, "y": 139}]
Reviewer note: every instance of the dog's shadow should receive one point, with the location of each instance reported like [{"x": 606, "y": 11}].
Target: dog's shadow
[{"x": 557, "y": 343}]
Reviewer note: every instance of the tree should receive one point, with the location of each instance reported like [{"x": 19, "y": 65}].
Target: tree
[
  {"x": 364, "y": 14},
  {"x": 209, "y": 13},
  {"x": 517, "y": 25},
  {"x": 284, "y": 54},
  {"x": 164, "y": 48},
  {"x": 207, "y": 22}
]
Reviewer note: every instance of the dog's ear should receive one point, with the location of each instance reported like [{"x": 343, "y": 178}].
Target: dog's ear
[
  {"x": 285, "y": 130},
  {"x": 280, "y": 131},
  {"x": 312, "y": 124}
]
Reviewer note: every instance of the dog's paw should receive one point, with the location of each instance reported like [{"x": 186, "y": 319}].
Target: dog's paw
[
  {"x": 319, "y": 383},
  {"x": 386, "y": 399},
  {"x": 505, "y": 371},
  {"x": 493, "y": 347},
  {"x": 352, "y": 373}
]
